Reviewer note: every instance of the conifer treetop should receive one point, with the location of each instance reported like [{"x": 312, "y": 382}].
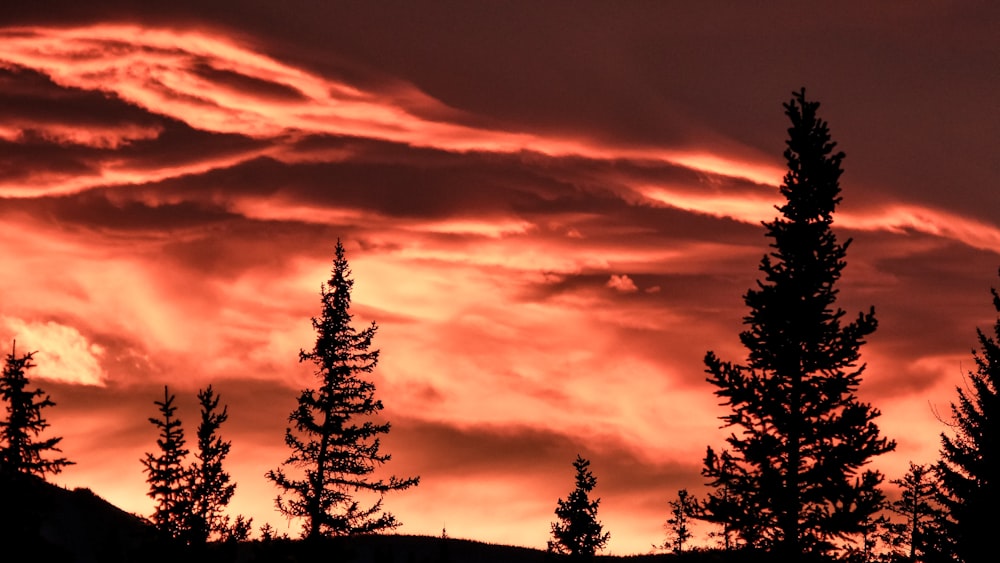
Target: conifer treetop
[
  {"x": 21, "y": 450},
  {"x": 811, "y": 186},
  {"x": 166, "y": 474},
  {"x": 795, "y": 480},
  {"x": 970, "y": 455},
  {"x": 335, "y": 438},
  {"x": 578, "y": 532},
  {"x": 210, "y": 485}
]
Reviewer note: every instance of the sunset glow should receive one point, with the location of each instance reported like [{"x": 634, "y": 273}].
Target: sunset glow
[{"x": 550, "y": 237}]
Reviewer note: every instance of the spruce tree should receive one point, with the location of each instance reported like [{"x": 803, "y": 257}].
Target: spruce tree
[
  {"x": 335, "y": 438},
  {"x": 683, "y": 510},
  {"x": 969, "y": 469},
  {"x": 879, "y": 541},
  {"x": 919, "y": 509},
  {"x": 166, "y": 474},
  {"x": 577, "y": 532},
  {"x": 21, "y": 451},
  {"x": 803, "y": 435},
  {"x": 725, "y": 507},
  {"x": 210, "y": 488}
]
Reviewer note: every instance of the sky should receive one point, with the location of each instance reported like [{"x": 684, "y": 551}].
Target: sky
[{"x": 552, "y": 211}]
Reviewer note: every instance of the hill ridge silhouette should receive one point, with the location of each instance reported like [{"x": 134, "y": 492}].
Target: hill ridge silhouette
[
  {"x": 58, "y": 524},
  {"x": 50, "y": 523}
]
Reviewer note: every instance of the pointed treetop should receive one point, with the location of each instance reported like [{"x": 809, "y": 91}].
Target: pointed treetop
[
  {"x": 802, "y": 435},
  {"x": 577, "y": 532},
  {"x": 585, "y": 480},
  {"x": 341, "y": 275},
  {"x": 812, "y": 164},
  {"x": 21, "y": 423},
  {"x": 334, "y": 439}
]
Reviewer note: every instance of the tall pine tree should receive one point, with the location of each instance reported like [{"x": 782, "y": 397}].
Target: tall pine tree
[
  {"x": 577, "y": 532},
  {"x": 209, "y": 487},
  {"x": 803, "y": 435},
  {"x": 166, "y": 474},
  {"x": 21, "y": 450},
  {"x": 969, "y": 470},
  {"x": 335, "y": 439}
]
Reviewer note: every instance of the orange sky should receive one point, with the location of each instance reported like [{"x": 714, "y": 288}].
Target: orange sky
[{"x": 551, "y": 216}]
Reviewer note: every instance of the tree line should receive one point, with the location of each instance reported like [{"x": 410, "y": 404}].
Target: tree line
[
  {"x": 334, "y": 441},
  {"x": 791, "y": 479}
]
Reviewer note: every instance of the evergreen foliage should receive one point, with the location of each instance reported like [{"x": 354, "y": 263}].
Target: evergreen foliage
[
  {"x": 334, "y": 439},
  {"x": 921, "y": 512},
  {"x": 166, "y": 474},
  {"x": 21, "y": 450},
  {"x": 879, "y": 541},
  {"x": 969, "y": 469},
  {"x": 577, "y": 532},
  {"x": 803, "y": 434},
  {"x": 209, "y": 487},
  {"x": 683, "y": 510},
  {"x": 239, "y": 531},
  {"x": 725, "y": 507}
]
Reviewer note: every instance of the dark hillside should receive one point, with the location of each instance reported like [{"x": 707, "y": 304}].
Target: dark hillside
[
  {"x": 426, "y": 549},
  {"x": 43, "y": 522}
]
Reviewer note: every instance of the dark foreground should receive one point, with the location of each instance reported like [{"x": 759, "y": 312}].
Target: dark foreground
[{"x": 43, "y": 523}]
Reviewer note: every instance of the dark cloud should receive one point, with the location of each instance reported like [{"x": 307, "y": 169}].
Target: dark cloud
[
  {"x": 31, "y": 97},
  {"x": 929, "y": 303},
  {"x": 36, "y": 155},
  {"x": 66, "y": 134},
  {"x": 649, "y": 73},
  {"x": 391, "y": 189},
  {"x": 245, "y": 84},
  {"x": 179, "y": 144},
  {"x": 236, "y": 247},
  {"x": 557, "y": 194},
  {"x": 30, "y": 157},
  {"x": 439, "y": 451},
  {"x": 490, "y": 270},
  {"x": 95, "y": 210},
  {"x": 123, "y": 414}
]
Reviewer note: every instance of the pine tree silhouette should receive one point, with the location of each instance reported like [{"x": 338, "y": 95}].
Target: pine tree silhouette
[
  {"x": 21, "y": 451},
  {"x": 683, "y": 510},
  {"x": 577, "y": 532},
  {"x": 918, "y": 507},
  {"x": 725, "y": 507},
  {"x": 210, "y": 488},
  {"x": 803, "y": 434},
  {"x": 969, "y": 469},
  {"x": 166, "y": 474},
  {"x": 335, "y": 442}
]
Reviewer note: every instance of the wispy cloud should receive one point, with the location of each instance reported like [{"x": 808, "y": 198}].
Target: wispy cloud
[
  {"x": 67, "y": 356},
  {"x": 171, "y": 196}
]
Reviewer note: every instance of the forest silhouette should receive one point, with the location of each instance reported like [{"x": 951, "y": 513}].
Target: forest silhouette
[{"x": 790, "y": 483}]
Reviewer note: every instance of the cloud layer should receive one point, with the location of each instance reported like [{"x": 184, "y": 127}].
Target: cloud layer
[{"x": 549, "y": 239}]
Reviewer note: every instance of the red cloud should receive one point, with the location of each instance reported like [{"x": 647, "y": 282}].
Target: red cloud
[{"x": 621, "y": 283}]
